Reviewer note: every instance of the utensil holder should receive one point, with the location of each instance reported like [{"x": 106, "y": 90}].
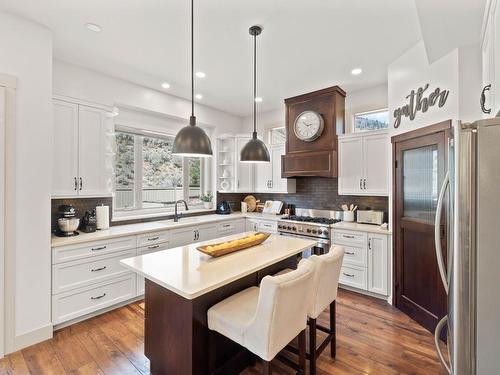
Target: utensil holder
[{"x": 349, "y": 216}]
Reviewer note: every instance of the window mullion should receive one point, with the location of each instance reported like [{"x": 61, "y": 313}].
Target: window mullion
[{"x": 138, "y": 163}]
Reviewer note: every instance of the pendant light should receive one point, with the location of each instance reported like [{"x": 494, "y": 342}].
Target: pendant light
[
  {"x": 191, "y": 140},
  {"x": 255, "y": 151}
]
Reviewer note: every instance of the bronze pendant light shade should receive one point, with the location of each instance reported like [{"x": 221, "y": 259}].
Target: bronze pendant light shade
[
  {"x": 255, "y": 151},
  {"x": 191, "y": 140}
]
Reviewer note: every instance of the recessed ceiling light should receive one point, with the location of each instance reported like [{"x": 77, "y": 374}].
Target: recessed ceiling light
[
  {"x": 258, "y": 99},
  {"x": 199, "y": 96},
  {"x": 165, "y": 85},
  {"x": 356, "y": 71},
  {"x": 200, "y": 75},
  {"x": 93, "y": 27}
]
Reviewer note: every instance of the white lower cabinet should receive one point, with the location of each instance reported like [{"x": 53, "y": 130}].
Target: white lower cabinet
[
  {"x": 88, "y": 277},
  {"x": 82, "y": 301},
  {"x": 266, "y": 226},
  {"x": 365, "y": 264}
]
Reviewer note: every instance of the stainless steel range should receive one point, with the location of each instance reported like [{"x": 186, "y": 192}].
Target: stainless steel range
[{"x": 311, "y": 224}]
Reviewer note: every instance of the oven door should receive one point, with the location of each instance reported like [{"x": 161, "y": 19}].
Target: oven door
[{"x": 322, "y": 245}]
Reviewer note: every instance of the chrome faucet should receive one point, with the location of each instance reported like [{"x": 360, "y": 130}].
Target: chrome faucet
[{"x": 176, "y": 215}]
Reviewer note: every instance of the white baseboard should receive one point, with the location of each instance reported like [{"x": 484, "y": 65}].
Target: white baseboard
[
  {"x": 33, "y": 337},
  {"x": 365, "y": 292}
]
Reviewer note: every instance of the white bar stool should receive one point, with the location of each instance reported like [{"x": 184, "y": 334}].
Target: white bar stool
[
  {"x": 324, "y": 293},
  {"x": 264, "y": 320}
]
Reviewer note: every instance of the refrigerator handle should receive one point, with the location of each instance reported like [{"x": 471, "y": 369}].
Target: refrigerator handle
[
  {"x": 437, "y": 333},
  {"x": 437, "y": 232}
]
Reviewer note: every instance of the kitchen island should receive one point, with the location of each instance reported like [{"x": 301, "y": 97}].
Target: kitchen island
[{"x": 183, "y": 283}]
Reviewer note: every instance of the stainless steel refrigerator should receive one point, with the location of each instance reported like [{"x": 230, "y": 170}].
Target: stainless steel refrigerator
[{"x": 470, "y": 196}]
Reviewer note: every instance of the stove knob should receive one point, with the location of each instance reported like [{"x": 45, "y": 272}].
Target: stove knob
[
  {"x": 314, "y": 231},
  {"x": 289, "y": 228},
  {"x": 308, "y": 230},
  {"x": 294, "y": 229},
  {"x": 325, "y": 232},
  {"x": 279, "y": 226}
]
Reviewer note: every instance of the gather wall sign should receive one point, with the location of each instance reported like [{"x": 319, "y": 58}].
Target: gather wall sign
[{"x": 418, "y": 102}]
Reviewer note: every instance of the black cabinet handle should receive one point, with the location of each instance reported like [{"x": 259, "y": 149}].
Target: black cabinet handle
[
  {"x": 153, "y": 247},
  {"x": 348, "y": 274},
  {"x": 364, "y": 183},
  {"x": 153, "y": 238},
  {"x": 98, "y": 248},
  {"x": 99, "y": 297},
  {"x": 98, "y": 269},
  {"x": 346, "y": 236},
  {"x": 81, "y": 183},
  {"x": 76, "y": 184},
  {"x": 347, "y": 252}
]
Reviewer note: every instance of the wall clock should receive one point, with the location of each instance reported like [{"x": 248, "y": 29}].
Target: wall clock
[{"x": 308, "y": 126}]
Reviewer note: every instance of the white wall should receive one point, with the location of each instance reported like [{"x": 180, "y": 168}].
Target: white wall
[
  {"x": 74, "y": 81},
  {"x": 355, "y": 102},
  {"x": 26, "y": 52}
]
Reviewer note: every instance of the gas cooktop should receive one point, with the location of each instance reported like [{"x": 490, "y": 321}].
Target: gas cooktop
[{"x": 310, "y": 219}]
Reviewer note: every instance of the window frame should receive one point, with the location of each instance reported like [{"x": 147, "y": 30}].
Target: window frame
[
  {"x": 138, "y": 210},
  {"x": 380, "y": 110}
]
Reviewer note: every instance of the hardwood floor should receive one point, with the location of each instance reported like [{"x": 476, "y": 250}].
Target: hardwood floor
[{"x": 373, "y": 338}]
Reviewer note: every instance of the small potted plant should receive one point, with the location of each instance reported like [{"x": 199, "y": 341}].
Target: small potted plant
[{"x": 207, "y": 200}]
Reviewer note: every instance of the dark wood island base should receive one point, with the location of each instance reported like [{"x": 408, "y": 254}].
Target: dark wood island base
[{"x": 177, "y": 335}]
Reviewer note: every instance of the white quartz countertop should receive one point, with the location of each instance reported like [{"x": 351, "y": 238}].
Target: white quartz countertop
[
  {"x": 154, "y": 226},
  {"x": 361, "y": 227},
  {"x": 190, "y": 273}
]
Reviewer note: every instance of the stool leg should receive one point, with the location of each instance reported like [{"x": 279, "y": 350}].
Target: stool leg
[
  {"x": 312, "y": 346},
  {"x": 266, "y": 368},
  {"x": 333, "y": 328},
  {"x": 302, "y": 352}
]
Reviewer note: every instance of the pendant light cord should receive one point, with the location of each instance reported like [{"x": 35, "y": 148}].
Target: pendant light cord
[
  {"x": 192, "y": 120},
  {"x": 254, "y": 86}
]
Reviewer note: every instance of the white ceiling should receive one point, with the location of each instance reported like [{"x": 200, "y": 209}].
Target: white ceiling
[{"x": 305, "y": 45}]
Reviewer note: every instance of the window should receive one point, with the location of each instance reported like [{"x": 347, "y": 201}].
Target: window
[
  {"x": 277, "y": 135},
  {"x": 373, "y": 120},
  {"x": 149, "y": 177}
]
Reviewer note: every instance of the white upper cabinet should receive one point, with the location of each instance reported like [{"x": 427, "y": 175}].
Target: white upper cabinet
[
  {"x": 363, "y": 163},
  {"x": 244, "y": 171},
  {"x": 91, "y": 138},
  {"x": 79, "y": 150},
  {"x": 268, "y": 175},
  {"x": 65, "y": 149}
]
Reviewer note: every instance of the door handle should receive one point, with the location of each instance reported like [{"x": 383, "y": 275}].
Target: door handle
[
  {"x": 437, "y": 234},
  {"x": 76, "y": 184},
  {"x": 153, "y": 247},
  {"x": 369, "y": 243},
  {"x": 81, "y": 183},
  {"x": 348, "y": 274},
  {"x": 98, "y": 248},
  {"x": 346, "y": 236},
  {"x": 349, "y": 253},
  {"x": 361, "y": 183},
  {"x": 437, "y": 333},
  {"x": 364, "y": 183},
  {"x": 153, "y": 238}
]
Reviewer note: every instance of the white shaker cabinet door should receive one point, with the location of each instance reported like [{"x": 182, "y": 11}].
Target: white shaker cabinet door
[
  {"x": 244, "y": 171},
  {"x": 278, "y": 184},
  {"x": 377, "y": 264},
  {"x": 206, "y": 232},
  {"x": 183, "y": 236},
  {"x": 65, "y": 149},
  {"x": 263, "y": 177},
  {"x": 91, "y": 151},
  {"x": 376, "y": 159},
  {"x": 350, "y": 179}
]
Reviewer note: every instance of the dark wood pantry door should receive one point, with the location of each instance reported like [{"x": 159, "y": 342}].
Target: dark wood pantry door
[{"x": 420, "y": 165}]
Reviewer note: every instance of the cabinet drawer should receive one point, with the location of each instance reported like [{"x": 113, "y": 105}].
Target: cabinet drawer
[
  {"x": 153, "y": 238},
  {"x": 231, "y": 227},
  {"x": 356, "y": 256},
  {"x": 71, "y": 305},
  {"x": 71, "y": 275},
  {"x": 153, "y": 248},
  {"x": 354, "y": 276},
  {"x": 268, "y": 226},
  {"x": 96, "y": 248},
  {"x": 352, "y": 238}
]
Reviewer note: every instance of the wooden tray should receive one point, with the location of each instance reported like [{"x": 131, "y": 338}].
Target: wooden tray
[{"x": 237, "y": 247}]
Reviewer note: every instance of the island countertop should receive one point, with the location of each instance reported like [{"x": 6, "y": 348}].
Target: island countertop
[{"x": 190, "y": 273}]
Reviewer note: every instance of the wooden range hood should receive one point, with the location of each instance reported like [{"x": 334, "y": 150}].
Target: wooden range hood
[{"x": 319, "y": 157}]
